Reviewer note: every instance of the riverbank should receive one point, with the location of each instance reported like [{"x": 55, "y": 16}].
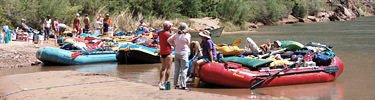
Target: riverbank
[
  {"x": 75, "y": 85},
  {"x": 20, "y": 53}
]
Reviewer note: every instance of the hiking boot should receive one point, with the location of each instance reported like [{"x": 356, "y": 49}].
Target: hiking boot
[{"x": 161, "y": 86}]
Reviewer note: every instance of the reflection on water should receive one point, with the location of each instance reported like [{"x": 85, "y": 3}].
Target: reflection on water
[{"x": 353, "y": 42}]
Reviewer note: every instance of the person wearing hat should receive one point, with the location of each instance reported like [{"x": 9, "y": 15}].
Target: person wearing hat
[
  {"x": 24, "y": 26},
  {"x": 106, "y": 23},
  {"x": 276, "y": 45},
  {"x": 77, "y": 24},
  {"x": 180, "y": 42},
  {"x": 208, "y": 50},
  {"x": 165, "y": 52},
  {"x": 47, "y": 27}
]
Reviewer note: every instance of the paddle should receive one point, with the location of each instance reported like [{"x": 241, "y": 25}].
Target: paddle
[
  {"x": 259, "y": 82},
  {"x": 237, "y": 42},
  {"x": 327, "y": 70}
]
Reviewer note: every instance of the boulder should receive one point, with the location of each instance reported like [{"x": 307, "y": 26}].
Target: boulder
[{"x": 312, "y": 18}]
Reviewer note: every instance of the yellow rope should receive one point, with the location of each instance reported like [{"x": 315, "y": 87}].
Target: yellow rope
[
  {"x": 40, "y": 54},
  {"x": 77, "y": 91}
]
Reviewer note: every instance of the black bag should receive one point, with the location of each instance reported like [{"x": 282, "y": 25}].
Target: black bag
[{"x": 322, "y": 59}]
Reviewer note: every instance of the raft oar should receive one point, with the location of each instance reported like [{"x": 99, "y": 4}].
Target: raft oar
[
  {"x": 237, "y": 42},
  {"x": 260, "y": 82},
  {"x": 327, "y": 70}
]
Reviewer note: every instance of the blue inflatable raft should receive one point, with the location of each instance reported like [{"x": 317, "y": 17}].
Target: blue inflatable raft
[{"x": 51, "y": 55}]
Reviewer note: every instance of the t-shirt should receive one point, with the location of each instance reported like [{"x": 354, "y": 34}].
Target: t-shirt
[
  {"x": 181, "y": 43},
  {"x": 165, "y": 47},
  {"x": 24, "y": 26},
  {"x": 56, "y": 23},
  {"x": 207, "y": 46},
  {"x": 47, "y": 23}
]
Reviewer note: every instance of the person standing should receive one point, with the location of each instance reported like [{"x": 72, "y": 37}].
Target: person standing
[
  {"x": 87, "y": 23},
  {"x": 56, "y": 28},
  {"x": 106, "y": 23},
  {"x": 47, "y": 27},
  {"x": 181, "y": 42},
  {"x": 99, "y": 23},
  {"x": 165, "y": 52},
  {"x": 77, "y": 24}
]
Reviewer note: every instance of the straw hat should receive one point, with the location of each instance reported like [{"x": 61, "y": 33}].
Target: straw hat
[
  {"x": 206, "y": 34},
  {"x": 183, "y": 27}
]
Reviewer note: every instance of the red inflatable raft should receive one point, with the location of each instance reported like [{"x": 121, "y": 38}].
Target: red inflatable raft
[{"x": 219, "y": 73}]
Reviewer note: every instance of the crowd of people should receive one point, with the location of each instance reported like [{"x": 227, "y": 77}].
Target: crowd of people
[
  {"x": 181, "y": 41},
  {"x": 204, "y": 51},
  {"x": 101, "y": 25}
]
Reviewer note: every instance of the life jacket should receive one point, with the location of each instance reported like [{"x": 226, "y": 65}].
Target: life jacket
[{"x": 265, "y": 47}]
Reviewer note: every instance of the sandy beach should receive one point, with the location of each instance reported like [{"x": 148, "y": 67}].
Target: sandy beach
[{"x": 74, "y": 85}]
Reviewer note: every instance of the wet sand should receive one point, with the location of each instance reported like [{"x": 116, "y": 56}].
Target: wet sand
[{"x": 82, "y": 85}]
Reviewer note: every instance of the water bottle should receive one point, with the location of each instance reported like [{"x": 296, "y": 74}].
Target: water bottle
[{"x": 168, "y": 85}]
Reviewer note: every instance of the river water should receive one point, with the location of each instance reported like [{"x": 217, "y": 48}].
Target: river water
[{"x": 352, "y": 41}]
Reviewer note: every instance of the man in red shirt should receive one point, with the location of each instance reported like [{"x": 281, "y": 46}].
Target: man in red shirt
[{"x": 165, "y": 52}]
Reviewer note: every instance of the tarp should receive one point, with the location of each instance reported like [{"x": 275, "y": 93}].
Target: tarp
[{"x": 246, "y": 61}]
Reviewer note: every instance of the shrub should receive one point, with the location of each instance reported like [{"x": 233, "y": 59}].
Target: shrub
[{"x": 300, "y": 9}]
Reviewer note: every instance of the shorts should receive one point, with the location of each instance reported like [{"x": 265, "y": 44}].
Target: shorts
[
  {"x": 165, "y": 56},
  {"x": 206, "y": 59}
]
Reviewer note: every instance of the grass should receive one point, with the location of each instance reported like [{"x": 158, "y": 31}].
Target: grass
[{"x": 64, "y": 97}]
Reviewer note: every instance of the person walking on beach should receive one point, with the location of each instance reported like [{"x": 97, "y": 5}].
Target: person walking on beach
[
  {"x": 165, "y": 52},
  {"x": 87, "y": 23},
  {"x": 77, "y": 24},
  {"x": 47, "y": 27},
  {"x": 181, "y": 42},
  {"x": 209, "y": 52}
]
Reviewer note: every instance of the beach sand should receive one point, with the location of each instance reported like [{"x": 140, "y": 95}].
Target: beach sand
[{"x": 74, "y": 85}]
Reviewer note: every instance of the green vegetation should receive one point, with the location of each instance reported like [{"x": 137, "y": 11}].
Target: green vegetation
[{"x": 232, "y": 12}]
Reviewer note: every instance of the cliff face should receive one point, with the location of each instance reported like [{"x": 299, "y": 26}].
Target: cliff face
[
  {"x": 343, "y": 11},
  {"x": 347, "y": 10}
]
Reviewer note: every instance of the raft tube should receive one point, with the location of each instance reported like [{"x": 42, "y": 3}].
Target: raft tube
[
  {"x": 49, "y": 55},
  {"x": 217, "y": 73},
  {"x": 135, "y": 53}
]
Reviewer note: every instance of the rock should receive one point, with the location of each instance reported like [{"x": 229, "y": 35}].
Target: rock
[{"x": 312, "y": 18}]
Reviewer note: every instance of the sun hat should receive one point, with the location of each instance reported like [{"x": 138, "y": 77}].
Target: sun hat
[
  {"x": 167, "y": 23},
  {"x": 183, "y": 27},
  {"x": 205, "y": 33},
  {"x": 77, "y": 14},
  {"x": 23, "y": 19},
  {"x": 278, "y": 42}
]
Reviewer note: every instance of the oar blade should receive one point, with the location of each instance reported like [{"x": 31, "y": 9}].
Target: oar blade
[
  {"x": 331, "y": 69},
  {"x": 237, "y": 42},
  {"x": 257, "y": 84}
]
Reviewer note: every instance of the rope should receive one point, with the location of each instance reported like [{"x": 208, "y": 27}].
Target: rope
[
  {"x": 76, "y": 91},
  {"x": 25, "y": 89},
  {"x": 40, "y": 56}
]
